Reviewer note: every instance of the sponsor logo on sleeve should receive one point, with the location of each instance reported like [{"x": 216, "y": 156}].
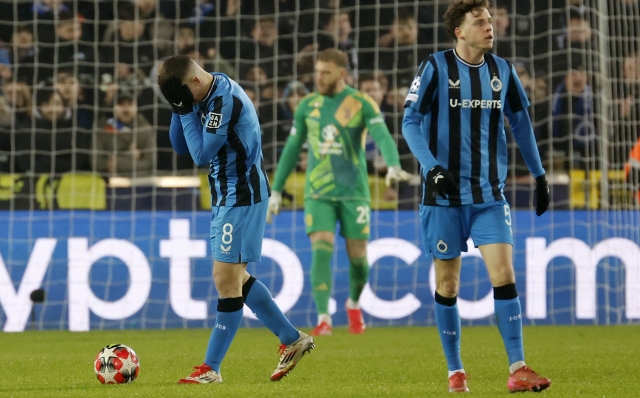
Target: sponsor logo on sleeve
[{"x": 215, "y": 120}]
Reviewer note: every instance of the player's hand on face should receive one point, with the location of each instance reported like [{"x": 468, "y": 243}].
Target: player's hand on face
[
  {"x": 542, "y": 195},
  {"x": 395, "y": 174},
  {"x": 275, "y": 201},
  {"x": 179, "y": 96},
  {"x": 441, "y": 182}
]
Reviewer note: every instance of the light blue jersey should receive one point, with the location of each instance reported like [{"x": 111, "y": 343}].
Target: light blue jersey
[
  {"x": 224, "y": 132},
  {"x": 454, "y": 117}
]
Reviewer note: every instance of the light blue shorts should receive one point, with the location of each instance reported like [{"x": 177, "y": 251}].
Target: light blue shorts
[
  {"x": 446, "y": 229},
  {"x": 237, "y": 232}
]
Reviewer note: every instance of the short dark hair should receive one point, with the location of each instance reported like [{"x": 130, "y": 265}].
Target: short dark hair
[
  {"x": 126, "y": 11},
  {"x": 375, "y": 76},
  {"x": 334, "y": 55},
  {"x": 65, "y": 17},
  {"x": 43, "y": 93},
  {"x": 456, "y": 12},
  {"x": 124, "y": 99},
  {"x": 174, "y": 66},
  {"x": 405, "y": 14}
]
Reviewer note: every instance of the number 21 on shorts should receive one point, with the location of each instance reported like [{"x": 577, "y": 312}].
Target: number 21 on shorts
[{"x": 364, "y": 214}]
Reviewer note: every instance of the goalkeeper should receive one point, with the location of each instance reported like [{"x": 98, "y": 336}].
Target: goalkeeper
[{"x": 335, "y": 121}]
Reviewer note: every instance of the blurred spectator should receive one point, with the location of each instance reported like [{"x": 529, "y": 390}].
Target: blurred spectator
[
  {"x": 23, "y": 55},
  {"x": 264, "y": 51},
  {"x": 15, "y": 109},
  {"x": 47, "y": 143},
  {"x": 72, "y": 94},
  {"x": 141, "y": 22},
  {"x": 5, "y": 136},
  {"x": 626, "y": 129},
  {"x": 502, "y": 42},
  {"x": 185, "y": 38},
  {"x": 374, "y": 85},
  {"x": 43, "y": 14},
  {"x": 574, "y": 128},
  {"x": 335, "y": 32},
  {"x": 398, "y": 56},
  {"x": 123, "y": 79},
  {"x": 18, "y": 98},
  {"x": 124, "y": 143},
  {"x": 6, "y": 74},
  {"x": 370, "y": 85},
  {"x": 576, "y": 43},
  {"x": 68, "y": 51},
  {"x": 538, "y": 94},
  {"x": 210, "y": 61},
  {"x": 131, "y": 43}
]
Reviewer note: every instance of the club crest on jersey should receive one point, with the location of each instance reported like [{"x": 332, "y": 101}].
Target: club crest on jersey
[
  {"x": 215, "y": 120},
  {"x": 496, "y": 84},
  {"x": 329, "y": 132},
  {"x": 453, "y": 84}
]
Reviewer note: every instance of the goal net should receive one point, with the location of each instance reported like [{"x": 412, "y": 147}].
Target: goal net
[{"x": 103, "y": 226}]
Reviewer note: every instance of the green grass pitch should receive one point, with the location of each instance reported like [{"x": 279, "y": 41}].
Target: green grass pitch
[{"x": 392, "y": 361}]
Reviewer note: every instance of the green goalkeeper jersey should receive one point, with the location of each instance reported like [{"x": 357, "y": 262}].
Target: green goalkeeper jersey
[{"x": 336, "y": 128}]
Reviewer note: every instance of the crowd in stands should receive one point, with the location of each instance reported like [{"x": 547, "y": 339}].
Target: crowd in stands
[{"x": 78, "y": 78}]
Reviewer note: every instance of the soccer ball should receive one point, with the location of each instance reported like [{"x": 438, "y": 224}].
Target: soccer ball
[{"x": 116, "y": 364}]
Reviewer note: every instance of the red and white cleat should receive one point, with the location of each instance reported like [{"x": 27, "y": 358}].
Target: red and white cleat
[
  {"x": 458, "y": 382},
  {"x": 203, "y": 375},
  {"x": 356, "y": 321},
  {"x": 525, "y": 379},
  {"x": 323, "y": 329}
]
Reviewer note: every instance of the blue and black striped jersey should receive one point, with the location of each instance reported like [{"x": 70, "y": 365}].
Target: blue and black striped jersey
[
  {"x": 461, "y": 108},
  {"x": 236, "y": 172}
]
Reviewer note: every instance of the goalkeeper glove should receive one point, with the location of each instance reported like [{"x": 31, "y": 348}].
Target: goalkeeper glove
[
  {"x": 275, "y": 201},
  {"x": 542, "y": 195},
  {"x": 395, "y": 174},
  {"x": 440, "y": 182},
  {"x": 179, "y": 96}
]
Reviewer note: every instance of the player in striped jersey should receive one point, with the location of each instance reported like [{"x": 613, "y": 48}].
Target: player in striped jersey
[
  {"x": 454, "y": 125},
  {"x": 215, "y": 121}
]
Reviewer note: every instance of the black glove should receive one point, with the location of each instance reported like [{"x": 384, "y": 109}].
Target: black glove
[
  {"x": 542, "y": 195},
  {"x": 440, "y": 182},
  {"x": 179, "y": 96}
]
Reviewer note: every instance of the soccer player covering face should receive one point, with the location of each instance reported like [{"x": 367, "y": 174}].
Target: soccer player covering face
[
  {"x": 214, "y": 120},
  {"x": 335, "y": 120},
  {"x": 454, "y": 125}
]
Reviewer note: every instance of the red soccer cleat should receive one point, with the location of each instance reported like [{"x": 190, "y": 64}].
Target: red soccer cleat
[
  {"x": 525, "y": 379},
  {"x": 458, "y": 382},
  {"x": 323, "y": 329},
  {"x": 356, "y": 321},
  {"x": 203, "y": 375}
]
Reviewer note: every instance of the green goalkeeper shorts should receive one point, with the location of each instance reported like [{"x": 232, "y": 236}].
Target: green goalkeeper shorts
[{"x": 354, "y": 217}]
